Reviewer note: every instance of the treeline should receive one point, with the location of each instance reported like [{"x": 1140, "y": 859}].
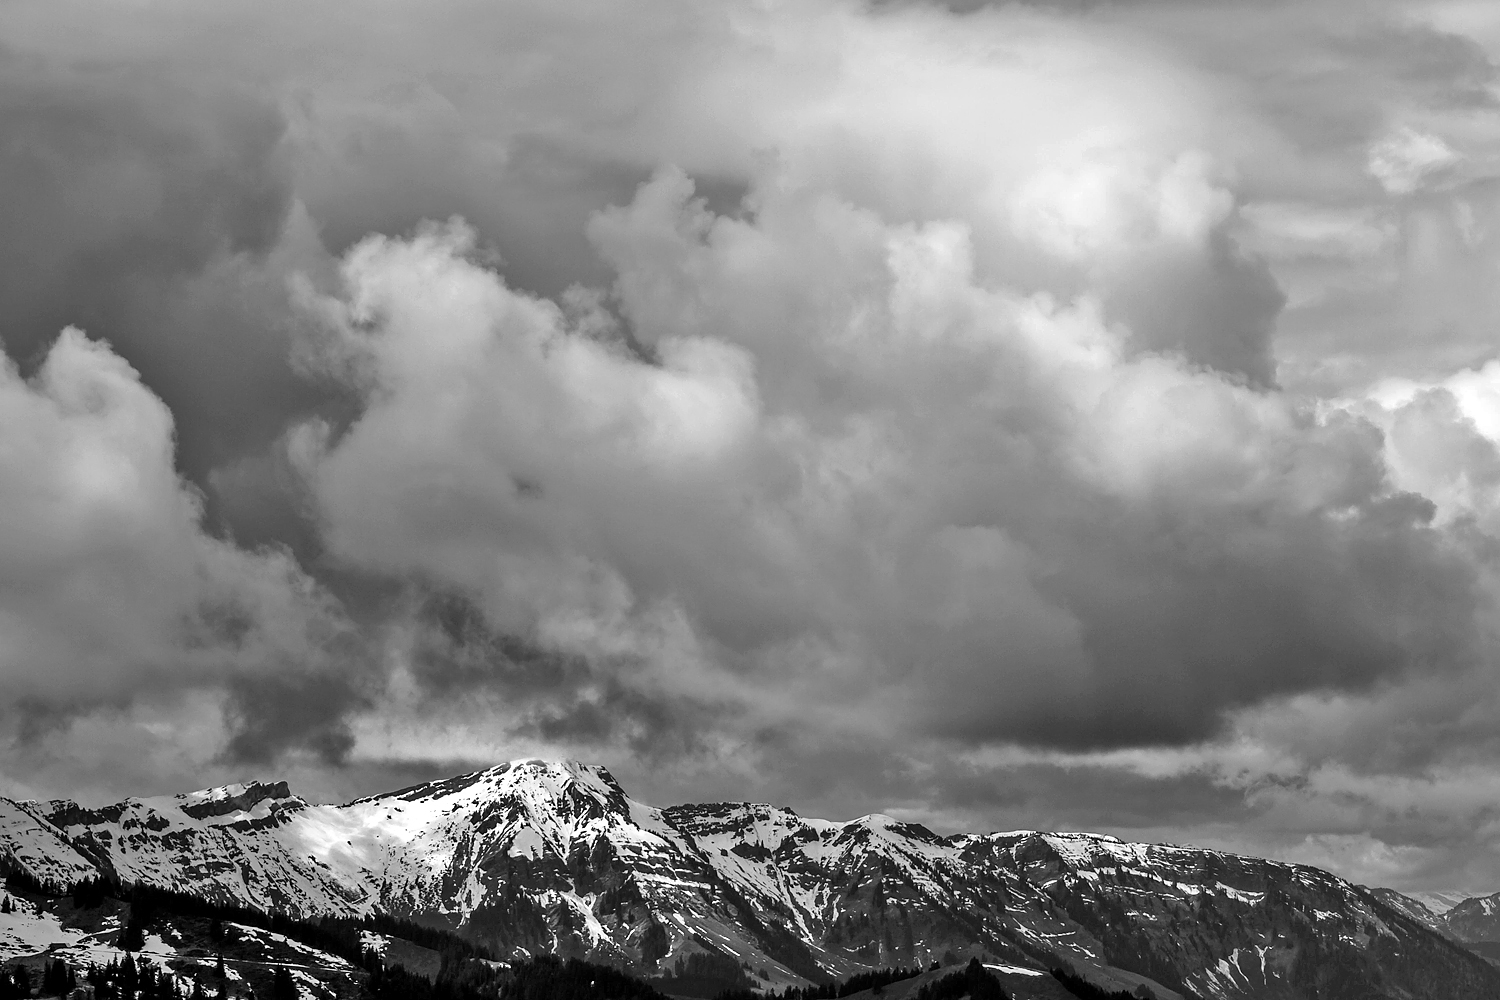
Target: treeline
[
  {"x": 119, "y": 980},
  {"x": 541, "y": 978},
  {"x": 704, "y": 975},
  {"x": 1085, "y": 990},
  {"x": 15, "y": 983},
  {"x": 466, "y": 971},
  {"x": 875, "y": 979},
  {"x": 336, "y": 935},
  {"x": 463, "y": 970},
  {"x": 457, "y": 979},
  {"x": 127, "y": 979},
  {"x": 975, "y": 981},
  {"x": 719, "y": 976},
  {"x": 544, "y": 977},
  {"x": 549, "y": 978},
  {"x": 20, "y": 880}
]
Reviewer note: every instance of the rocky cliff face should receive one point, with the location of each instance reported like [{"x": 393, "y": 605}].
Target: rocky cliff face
[
  {"x": 536, "y": 856},
  {"x": 1475, "y": 919}
]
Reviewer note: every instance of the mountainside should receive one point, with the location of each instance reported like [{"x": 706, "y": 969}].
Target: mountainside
[
  {"x": 1439, "y": 902},
  {"x": 1475, "y": 919},
  {"x": 532, "y": 857},
  {"x": 36, "y": 932},
  {"x": 1412, "y": 907}
]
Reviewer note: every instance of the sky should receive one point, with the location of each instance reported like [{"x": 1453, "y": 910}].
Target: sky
[{"x": 1072, "y": 415}]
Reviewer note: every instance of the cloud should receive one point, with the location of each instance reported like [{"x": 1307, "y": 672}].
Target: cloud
[
  {"x": 143, "y": 207},
  {"x": 1050, "y": 413},
  {"x": 1405, "y": 160},
  {"x": 843, "y": 453},
  {"x": 109, "y": 588}
]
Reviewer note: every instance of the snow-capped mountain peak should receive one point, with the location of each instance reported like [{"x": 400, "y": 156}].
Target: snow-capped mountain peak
[
  {"x": 534, "y": 855},
  {"x": 238, "y": 798},
  {"x": 227, "y": 804}
]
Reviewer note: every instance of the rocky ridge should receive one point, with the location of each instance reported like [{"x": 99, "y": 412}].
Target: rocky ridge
[{"x": 536, "y": 856}]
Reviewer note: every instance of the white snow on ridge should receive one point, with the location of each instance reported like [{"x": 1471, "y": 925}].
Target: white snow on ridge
[
  {"x": 1441, "y": 902},
  {"x": 442, "y": 847},
  {"x": 40, "y": 847},
  {"x": 1015, "y": 970}
]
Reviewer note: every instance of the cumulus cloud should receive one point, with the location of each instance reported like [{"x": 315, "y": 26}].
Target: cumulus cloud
[
  {"x": 853, "y": 453},
  {"x": 109, "y": 587}
]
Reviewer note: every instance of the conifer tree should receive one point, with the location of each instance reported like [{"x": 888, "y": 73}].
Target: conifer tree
[
  {"x": 130, "y": 976},
  {"x": 58, "y": 979},
  {"x": 133, "y": 937}
]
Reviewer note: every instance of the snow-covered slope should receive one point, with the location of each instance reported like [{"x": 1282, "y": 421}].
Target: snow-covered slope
[
  {"x": 1440, "y": 902},
  {"x": 227, "y": 844},
  {"x": 38, "y": 847},
  {"x": 35, "y": 931},
  {"x": 537, "y": 856},
  {"x": 1476, "y": 919},
  {"x": 1412, "y": 907}
]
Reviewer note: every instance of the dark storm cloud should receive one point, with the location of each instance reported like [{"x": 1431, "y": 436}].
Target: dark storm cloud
[
  {"x": 652, "y": 725},
  {"x": 295, "y": 710},
  {"x": 554, "y": 696},
  {"x": 141, "y": 209},
  {"x": 455, "y": 650},
  {"x": 1187, "y": 617},
  {"x": 1040, "y": 795}
]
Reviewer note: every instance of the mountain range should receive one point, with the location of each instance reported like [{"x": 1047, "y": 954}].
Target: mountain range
[{"x": 534, "y": 857}]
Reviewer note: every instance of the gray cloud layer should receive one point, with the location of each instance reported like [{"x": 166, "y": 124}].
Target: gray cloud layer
[{"x": 1070, "y": 416}]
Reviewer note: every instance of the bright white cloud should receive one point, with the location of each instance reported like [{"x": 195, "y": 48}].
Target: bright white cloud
[
  {"x": 1404, "y": 160},
  {"x": 108, "y": 582}
]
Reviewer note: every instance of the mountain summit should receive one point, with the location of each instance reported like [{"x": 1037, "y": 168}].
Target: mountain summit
[{"x": 537, "y": 856}]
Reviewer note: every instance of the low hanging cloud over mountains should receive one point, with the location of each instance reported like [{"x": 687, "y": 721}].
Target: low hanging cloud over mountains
[{"x": 1011, "y": 415}]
